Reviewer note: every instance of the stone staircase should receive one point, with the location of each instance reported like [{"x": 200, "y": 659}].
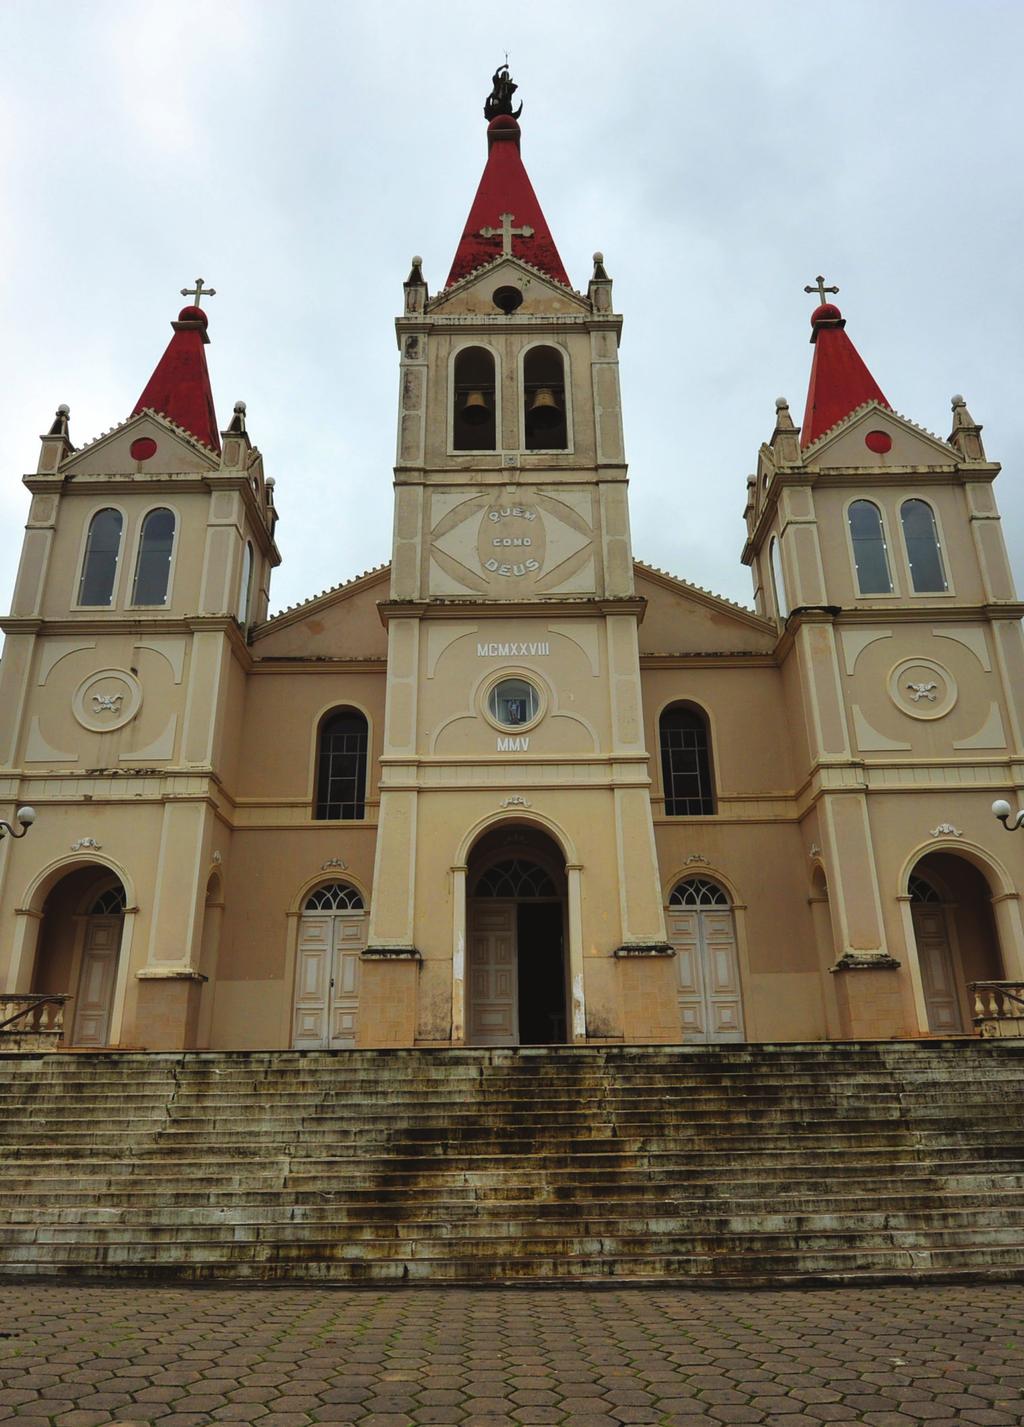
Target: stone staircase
[{"x": 736, "y": 1164}]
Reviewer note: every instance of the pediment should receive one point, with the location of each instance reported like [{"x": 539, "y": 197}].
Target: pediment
[
  {"x": 473, "y": 295},
  {"x": 859, "y": 442},
  {"x": 175, "y": 453},
  {"x": 340, "y": 623},
  {"x": 683, "y": 619}
]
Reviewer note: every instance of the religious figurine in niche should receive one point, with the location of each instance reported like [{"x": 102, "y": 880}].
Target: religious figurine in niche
[{"x": 499, "y": 101}]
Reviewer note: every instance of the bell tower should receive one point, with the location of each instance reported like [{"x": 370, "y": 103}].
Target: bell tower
[{"x": 513, "y": 703}]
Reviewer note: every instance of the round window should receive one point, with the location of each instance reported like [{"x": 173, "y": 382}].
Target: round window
[{"x": 514, "y": 702}]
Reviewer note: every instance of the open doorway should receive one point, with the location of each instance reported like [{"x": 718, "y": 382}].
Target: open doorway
[
  {"x": 956, "y": 937},
  {"x": 516, "y": 984}
]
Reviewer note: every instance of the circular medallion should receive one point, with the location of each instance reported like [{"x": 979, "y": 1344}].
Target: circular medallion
[
  {"x": 107, "y": 700},
  {"x": 878, "y": 441},
  {"x": 922, "y": 688},
  {"x": 142, "y": 448}
]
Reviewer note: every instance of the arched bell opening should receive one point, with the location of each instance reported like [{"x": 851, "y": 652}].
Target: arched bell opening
[
  {"x": 544, "y": 414},
  {"x": 79, "y": 950},
  {"x": 955, "y": 935},
  {"x": 517, "y": 975},
  {"x": 474, "y": 426}
]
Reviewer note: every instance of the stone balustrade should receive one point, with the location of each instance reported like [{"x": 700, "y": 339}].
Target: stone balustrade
[
  {"x": 32, "y": 1022},
  {"x": 998, "y": 1007}
]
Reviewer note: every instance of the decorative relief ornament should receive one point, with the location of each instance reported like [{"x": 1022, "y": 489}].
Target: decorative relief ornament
[
  {"x": 516, "y": 800},
  {"x": 333, "y": 863},
  {"x": 922, "y": 688},
  {"x": 694, "y": 857},
  {"x": 946, "y": 830},
  {"x": 814, "y": 850},
  {"x": 107, "y": 700},
  {"x": 86, "y": 842}
]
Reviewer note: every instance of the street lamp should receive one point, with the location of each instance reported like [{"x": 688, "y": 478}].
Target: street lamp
[
  {"x": 1003, "y": 812},
  {"x": 25, "y": 816}
]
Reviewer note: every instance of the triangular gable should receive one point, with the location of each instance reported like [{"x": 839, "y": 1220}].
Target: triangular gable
[
  {"x": 684, "y": 619},
  {"x": 475, "y": 292},
  {"x": 149, "y": 444},
  {"x": 340, "y": 623},
  {"x": 876, "y": 438}
]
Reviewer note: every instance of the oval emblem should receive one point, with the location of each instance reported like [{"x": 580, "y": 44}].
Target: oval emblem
[{"x": 511, "y": 543}]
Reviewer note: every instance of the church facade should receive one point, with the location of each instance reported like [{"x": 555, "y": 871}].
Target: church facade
[{"x": 516, "y": 786}]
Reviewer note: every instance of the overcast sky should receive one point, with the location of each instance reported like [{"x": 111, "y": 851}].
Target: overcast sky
[{"x": 720, "y": 154}]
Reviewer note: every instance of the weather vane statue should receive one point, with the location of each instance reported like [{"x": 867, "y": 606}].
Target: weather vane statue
[{"x": 499, "y": 101}]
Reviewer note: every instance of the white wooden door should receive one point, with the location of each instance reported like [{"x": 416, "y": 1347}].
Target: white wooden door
[
  {"x": 938, "y": 968},
  {"x": 327, "y": 979},
  {"x": 707, "y": 968},
  {"x": 493, "y": 979},
  {"x": 95, "y": 995}
]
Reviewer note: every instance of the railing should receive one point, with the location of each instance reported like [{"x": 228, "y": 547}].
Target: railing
[
  {"x": 32, "y": 1015},
  {"x": 999, "y": 1007}
]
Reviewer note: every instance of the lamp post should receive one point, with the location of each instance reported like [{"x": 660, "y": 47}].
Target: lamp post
[
  {"x": 1002, "y": 810},
  {"x": 25, "y": 818}
]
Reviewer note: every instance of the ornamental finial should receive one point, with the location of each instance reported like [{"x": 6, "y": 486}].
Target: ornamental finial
[{"x": 499, "y": 101}]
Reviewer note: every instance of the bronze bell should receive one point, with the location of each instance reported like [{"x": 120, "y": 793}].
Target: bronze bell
[
  {"x": 543, "y": 410},
  {"x": 475, "y": 410}
]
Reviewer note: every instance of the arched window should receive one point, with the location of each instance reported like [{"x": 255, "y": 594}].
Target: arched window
[
  {"x": 99, "y": 568},
  {"x": 697, "y": 892},
  {"x": 473, "y": 409},
  {"x": 778, "y": 580},
  {"x": 245, "y": 589},
  {"x": 334, "y": 897},
  {"x": 153, "y": 565},
  {"x": 923, "y": 553},
  {"x": 109, "y": 904},
  {"x": 922, "y": 891},
  {"x": 686, "y": 763},
  {"x": 341, "y": 766},
  {"x": 870, "y": 555},
  {"x": 544, "y": 400}
]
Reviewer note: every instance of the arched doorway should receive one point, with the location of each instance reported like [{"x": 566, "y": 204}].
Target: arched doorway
[
  {"x": 517, "y": 973},
  {"x": 702, "y": 931},
  {"x": 955, "y": 935},
  {"x": 332, "y": 938},
  {"x": 79, "y": 951}
]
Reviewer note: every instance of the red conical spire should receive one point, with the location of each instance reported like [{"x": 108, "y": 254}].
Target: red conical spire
[
  {"x": 505, "y": 216},
  {"x": 180, "y": 387},
  {"x": 840, "y": 382}
]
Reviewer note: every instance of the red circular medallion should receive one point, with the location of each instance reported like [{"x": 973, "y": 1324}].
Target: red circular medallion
[
  {"x": 143, "y": 448},
  {"x": 878, "y": 441}
]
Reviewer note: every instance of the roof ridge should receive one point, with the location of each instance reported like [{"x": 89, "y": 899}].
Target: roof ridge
[
  {"x": 699, "y": 589},
  {"x": 146, "y": 411},
  {"x": 331, "y": 590},
  {"x": 492, "y": 262}
]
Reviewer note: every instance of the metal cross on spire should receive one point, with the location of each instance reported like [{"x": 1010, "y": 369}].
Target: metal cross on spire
[
  {"x": 198, "y": 291},
  {"x": 821, "y": 289},
  {"x": 506, "y": 233}
]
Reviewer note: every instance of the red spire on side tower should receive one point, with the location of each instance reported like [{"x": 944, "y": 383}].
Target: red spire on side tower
[
  {"x": 180, "y": 386},
  {"x": 840, "y": 382},
  {"x": 505, "y": 189}
]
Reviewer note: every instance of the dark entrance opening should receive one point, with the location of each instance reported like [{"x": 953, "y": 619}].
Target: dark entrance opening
[{"x": 541, "y": 973}]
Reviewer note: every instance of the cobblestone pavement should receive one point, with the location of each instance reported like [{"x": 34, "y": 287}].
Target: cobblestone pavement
[{"x": 892, "y": 1357}]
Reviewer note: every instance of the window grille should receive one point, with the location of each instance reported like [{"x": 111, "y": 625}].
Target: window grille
[
  {"x": 109, "y": 903},
  {"x": 697, "y": 892},
  {"x": 515, "y": 878},
  {"x": 686, "y": 764},
  {"x": 335, "y": 897},
  {"x": 922, "y": 891},
  {"x": 341, "y": 770}
]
